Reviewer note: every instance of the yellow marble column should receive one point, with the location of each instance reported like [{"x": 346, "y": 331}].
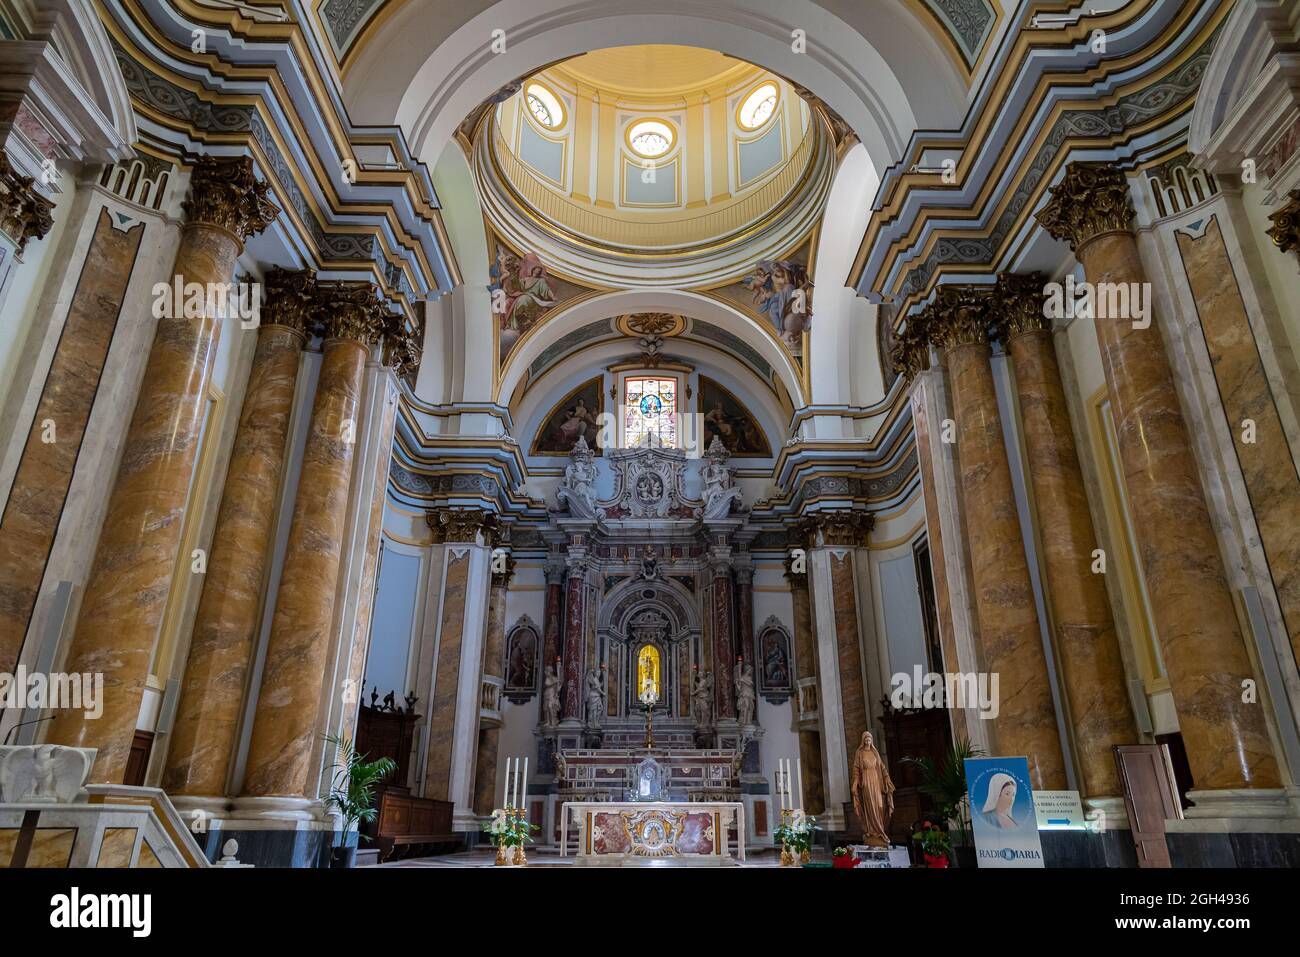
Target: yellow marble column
[
  {"x": 205, "y": 733},
  {"x": 1086, "y": 641},
  {"x": 494, "y": 656},
  {"x": 1204, "y": 650},
  {"x": 1010, "y": 639},
  {"x": 285, "y": 731},
  {"x": 804, "y": 701},
  {"x": 130, "y": 577}
]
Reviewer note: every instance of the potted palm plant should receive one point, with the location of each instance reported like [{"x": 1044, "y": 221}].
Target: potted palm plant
[
  {"x": 352, "y": 794},
  {"x": 945, "y": 783}
]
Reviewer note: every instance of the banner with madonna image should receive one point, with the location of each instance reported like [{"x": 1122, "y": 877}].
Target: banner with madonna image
[{"x": 1002, "y": 813}]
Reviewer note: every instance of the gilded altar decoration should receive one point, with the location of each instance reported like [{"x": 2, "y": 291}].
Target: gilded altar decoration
[
  {"x": 225, "y": 193},
  {"x": 1091, "y": 199},
  {"x": 653, "y": 833},
  {"x": 647, "y": 671}
]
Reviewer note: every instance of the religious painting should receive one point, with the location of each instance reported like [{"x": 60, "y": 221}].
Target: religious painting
[
  {"x": 728, "y": 420},
  {"x": 780, "y": 293},
  {"x": 523, "y": 291},
  {"x": 775, "y": 671},
  {"x": 523, "y": 649},
  {"x": 576, "y": 416}
]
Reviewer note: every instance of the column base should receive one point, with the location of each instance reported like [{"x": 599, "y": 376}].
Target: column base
[
  {"x": 1237, "y": 805},
  {"x": 1244, "y": 827}
]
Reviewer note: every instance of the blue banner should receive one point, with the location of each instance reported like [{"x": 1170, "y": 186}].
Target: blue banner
[{"x": 1002, "y": 813}]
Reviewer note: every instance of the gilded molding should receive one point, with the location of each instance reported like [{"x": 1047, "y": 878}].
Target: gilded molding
[
  {"x": 292, "y": 299},
  {"x": 225, "y": 193},
  {"x": 451, "y": 525},
  {"x": 402, "y": 349},
  {"x": 354, "y": 311},
  {"x": 910, "y": 352},
  {"x": 1092, "y": 199},
  {"x": 838, "y": 527},
  {"x": 24, "y": 213},
  {"x": 1017, "y": 304},
  {"x": 1285, "y": 231},
  {"x": 959, "y": 316}
]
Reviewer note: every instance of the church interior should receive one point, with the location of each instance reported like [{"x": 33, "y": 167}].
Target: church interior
[{"x": 701, "y": 433}]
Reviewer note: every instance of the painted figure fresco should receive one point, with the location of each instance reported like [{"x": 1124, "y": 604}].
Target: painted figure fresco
[
  {"x": 728, "y": 420},
  {"x": 781, "y": 290},
  {"x": 522, "y": 291},
  {"x": 576, "y": 417},
  {"x": 521, "y": 659}
]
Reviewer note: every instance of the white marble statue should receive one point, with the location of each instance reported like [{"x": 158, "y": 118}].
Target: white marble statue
[
  {"x": 577, "y": 489},
  {"x": 595, "y": 685},
  {"x": 551, "y": 695},
  {"x": 702, "y": 699},
  {"x": 721, "y": 494},
  {"x": 44, "y": 773},
  {"x": 745, "y": 693}
]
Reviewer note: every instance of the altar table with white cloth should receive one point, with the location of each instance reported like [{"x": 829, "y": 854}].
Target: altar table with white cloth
[{"x": 654, "y": 833}]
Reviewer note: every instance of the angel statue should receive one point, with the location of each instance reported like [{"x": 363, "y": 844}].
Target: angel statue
[
  {"x": 551, "y": 695},
  {"x": 595, "y": 686},
  {"x": 702, "y": 699},
  {"x": 721, "y": 494},
  {"x": 577, "y": 489},
  {"x": 745, "y": 693}
]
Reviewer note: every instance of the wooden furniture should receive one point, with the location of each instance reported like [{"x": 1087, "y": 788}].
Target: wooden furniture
[{"x": 912, "y": 733}]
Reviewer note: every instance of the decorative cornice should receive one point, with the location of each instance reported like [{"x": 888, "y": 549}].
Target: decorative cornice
[
  {"x": 1017, "y": 304},
  {"x": 461, "y": 525},
  {"x": 225, "y": 193},
  {"x": 959, "y": 316},
  {"x": 1090, "y": 200},
  {"x": 24, "y": 212},
  {"x": 354, "y": 311},
  {"x": 1285, "y": 231},
  {"x": 292, "y": 299},
  {"x": 838, "y": 527}
]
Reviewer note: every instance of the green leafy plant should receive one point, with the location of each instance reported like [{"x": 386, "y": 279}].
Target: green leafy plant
[
  {"x": 509, "y": 830},
  {"x": 934, "y": 840},
  {"x": 945, "y": 782},
  {"x": 352, "y": 783},
  {"x": 839, "y": 852},
  {"x": 797, "y": 834}
]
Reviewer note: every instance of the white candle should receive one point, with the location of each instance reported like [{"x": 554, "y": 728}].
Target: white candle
[
  {"x": 798, "y": 776},
  {"x": 505, "y": 790},
  {"x": 515, "y": 792},
  {"x": 523, "y": 779}
]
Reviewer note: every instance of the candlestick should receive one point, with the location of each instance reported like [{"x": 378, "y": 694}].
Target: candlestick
[{"x": 524, "y": 783}]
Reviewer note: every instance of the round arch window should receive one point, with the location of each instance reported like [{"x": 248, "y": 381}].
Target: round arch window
[
  {"x": 757, "y": 108},
  {"x": 544, "y": 106},
  {"x": 651, "y": 138}
]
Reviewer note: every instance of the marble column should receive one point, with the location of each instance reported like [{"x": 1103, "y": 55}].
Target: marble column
[
  {"x": 494, "y": 659},
  {"x": 285, "y": 725},
  {"x": 130, "y": 577},
  {"x": 804, "y": 701},
  {"x": 834, "y": 537},
  {"x": 575, "y": 620},
  {"x": 455, "y": 705},
  {"x": 744, "y": 572},
  {"x": 44, "y": 475},
  {"x": 724, "y": 645},
  {"x": 1086, "y": 640},
  {"x": 553, "y": 613},
  {"x": 1204, "y": 650},
  {"x": 1010, "y": 638},
  {"x": 205, "y": 733}
]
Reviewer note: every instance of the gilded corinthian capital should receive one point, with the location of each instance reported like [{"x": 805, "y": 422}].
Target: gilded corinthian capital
[
  {"x": 959, "y": 316},
  {"x": 1091, "y": 199},
  {"x": 1285, "y": 231},
  {"x": 837, "y": 527},
  {"x": 354, "y": 310},
  {"x": 291, "y": 298},
  {"x": 24, "y": 213},
  {"x": 225, "y": 193},
  {"x": 462, "y": 525},
  {"x": 1017, "y": 304},
  {"x": 910, "y": 352},
  {"x": 402, "y": 347}
]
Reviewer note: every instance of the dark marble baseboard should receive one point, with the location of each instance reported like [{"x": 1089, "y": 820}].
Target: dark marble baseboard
[
  {"x": 272, "y": 848},
  {"x": 1111, "y": 848},
  {"x": 1188, "y": 849}
]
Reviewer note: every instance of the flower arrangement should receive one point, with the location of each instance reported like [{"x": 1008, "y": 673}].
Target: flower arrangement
[
  {"x": 841, "y": 858},
  {"x": 935, "y": 844},
  {"x": 796, "y": 833},
  {"x": 508, "y": 828}
]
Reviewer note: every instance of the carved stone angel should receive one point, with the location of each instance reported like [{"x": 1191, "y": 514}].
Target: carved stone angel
[
  {"x": 551, "y": 695},
  {"x": 745, "y": 693},
  {"x": 595, "y": 689},
  {"x": 702, "y": 699},
  {"x": 577, "y": 489},
  {"x": 721, "y": 494}
]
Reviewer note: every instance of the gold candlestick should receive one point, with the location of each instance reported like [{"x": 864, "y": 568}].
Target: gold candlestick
[{"x": 520, "y": 858}]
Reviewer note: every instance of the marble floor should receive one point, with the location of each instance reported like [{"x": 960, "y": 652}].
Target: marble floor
[{"x": 550, "y": 857}]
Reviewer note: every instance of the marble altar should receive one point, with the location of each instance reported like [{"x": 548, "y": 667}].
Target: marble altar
[{"x": 654, "y": 833}]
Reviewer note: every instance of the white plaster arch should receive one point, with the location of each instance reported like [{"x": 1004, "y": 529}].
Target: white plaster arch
[
  {"x": 542, "y": 396},
  {"x": 884, "y": 72},
  {"x": 678, "y": 301},
  {"x": 845, "y": 364}
]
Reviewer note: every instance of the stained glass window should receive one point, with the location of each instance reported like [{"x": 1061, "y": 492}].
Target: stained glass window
[
  {"x": 647, "y": 671},
  {"x": 649, "y": 409}
]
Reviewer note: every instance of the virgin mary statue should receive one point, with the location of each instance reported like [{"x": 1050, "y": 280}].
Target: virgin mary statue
[{"x": 873, "y": 793}]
